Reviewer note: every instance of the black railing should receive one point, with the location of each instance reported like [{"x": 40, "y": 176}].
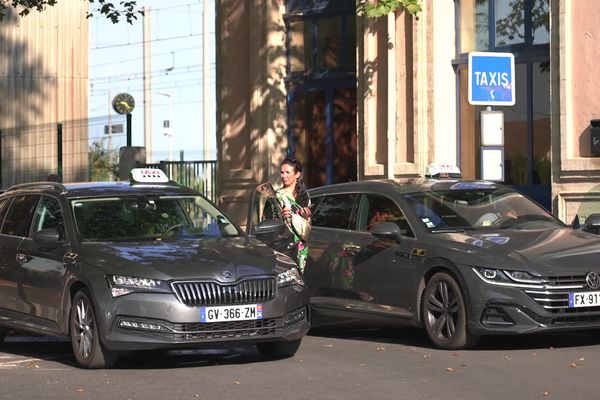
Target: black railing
[{"x": 198, "y": 175}]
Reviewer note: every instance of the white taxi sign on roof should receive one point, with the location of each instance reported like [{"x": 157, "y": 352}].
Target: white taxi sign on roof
[
  {"x": 442, "y": 171},
  {"x": 148, "y": 175}
]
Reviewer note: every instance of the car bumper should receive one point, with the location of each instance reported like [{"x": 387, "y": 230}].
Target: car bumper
[
  {"x": 155, "y": 321},
  {"x": 496, "y": 310}
]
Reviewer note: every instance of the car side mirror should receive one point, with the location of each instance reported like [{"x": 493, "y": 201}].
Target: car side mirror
[
  {"x": 269, "y": 227},
  {"x": 47, "y": 236},
  {"x": 387, "y": 230},
  {"x": 592, "y": 224}
]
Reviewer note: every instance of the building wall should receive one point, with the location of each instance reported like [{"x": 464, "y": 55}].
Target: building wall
[
  {"x": 251, "y": 97},
  {"x": 43, "y": 81},
  {"x": 574, "y": 91}
]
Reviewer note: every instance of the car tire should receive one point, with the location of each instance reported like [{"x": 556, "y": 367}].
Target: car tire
[
  {"x": 445, "y": 315},
  {"x": 278, "y": 350},
  {"x": 88, "y": 350},
  {"x": 3, "y": 334}
]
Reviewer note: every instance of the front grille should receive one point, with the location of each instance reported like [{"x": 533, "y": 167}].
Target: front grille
[
  {"x": 213, "y": 293},
  {"x": 224, "y": 330},
  {"x": 553, "y": 296}
]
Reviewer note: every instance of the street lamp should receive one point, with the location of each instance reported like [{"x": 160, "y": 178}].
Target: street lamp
[{"x": 168, "y": 124}]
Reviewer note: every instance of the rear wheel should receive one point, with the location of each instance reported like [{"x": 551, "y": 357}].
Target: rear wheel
[
  {"x": 277, "y": 350},
  {"x": 87, "y": 347},
  {"x": 444, "y": 313}
]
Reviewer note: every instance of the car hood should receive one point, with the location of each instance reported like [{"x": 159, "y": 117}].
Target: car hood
[
  {"x": 182, "y": 259},
  {"x": 547, "y": 252}
]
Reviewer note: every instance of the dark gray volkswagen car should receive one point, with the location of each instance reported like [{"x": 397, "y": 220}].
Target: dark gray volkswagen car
[
  {"x": 129, "y": 266},
  {"x": 459, "y": 258}
]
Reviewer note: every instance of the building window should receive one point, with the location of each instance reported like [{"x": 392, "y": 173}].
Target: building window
[{"x": 489, "y": 25}]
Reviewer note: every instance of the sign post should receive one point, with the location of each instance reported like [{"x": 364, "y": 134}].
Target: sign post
[{"x": 492, "y": 83}]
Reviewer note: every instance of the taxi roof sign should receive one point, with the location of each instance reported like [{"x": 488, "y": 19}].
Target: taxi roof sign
[
  {"x": 148, "y": 175},
  {"x": 437, "y": 171}
]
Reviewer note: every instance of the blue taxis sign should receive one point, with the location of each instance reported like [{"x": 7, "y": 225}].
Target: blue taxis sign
[{"x": 491, "y": 79}]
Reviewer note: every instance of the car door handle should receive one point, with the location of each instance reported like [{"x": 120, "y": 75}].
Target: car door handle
[
  {"x": 22, "y": 258},
  {"x": 351, "y": 249}
]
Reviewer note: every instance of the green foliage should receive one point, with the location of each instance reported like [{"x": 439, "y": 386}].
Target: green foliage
[
  {"x": 384, "y": 7},
  {"x": 103, "y": 164},
  {"x": 124, "y": 10}
]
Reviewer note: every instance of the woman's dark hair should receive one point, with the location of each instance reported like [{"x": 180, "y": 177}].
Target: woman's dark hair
[{"x": 300, "y": 190}]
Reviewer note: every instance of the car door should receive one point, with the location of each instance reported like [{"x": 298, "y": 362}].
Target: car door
[
  {"x": 385, "y": 269},
  {"x": 14, "y": 229},
  {"x": 42, "y": 262},
  {"x": 331, "y": 247},
  {"x": 265, "y": 223}
]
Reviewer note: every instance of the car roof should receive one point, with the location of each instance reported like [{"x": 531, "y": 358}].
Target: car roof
[
  {"x": 408, "y": 185},
  {"x": 101, "y": 189}
]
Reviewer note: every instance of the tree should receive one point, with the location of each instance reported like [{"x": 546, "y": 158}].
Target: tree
[
  {"x": 125, "y": 9},
  {"x": 380, "y": 8}
]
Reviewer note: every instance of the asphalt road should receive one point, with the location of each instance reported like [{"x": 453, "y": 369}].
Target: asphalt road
[{"x": 374, "y": 364}]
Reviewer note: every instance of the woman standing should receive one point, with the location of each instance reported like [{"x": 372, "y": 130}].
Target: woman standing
[{"x": 294, "y": 200}]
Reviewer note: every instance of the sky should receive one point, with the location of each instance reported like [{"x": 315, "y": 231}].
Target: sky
[{"x": 116, "y": 66}]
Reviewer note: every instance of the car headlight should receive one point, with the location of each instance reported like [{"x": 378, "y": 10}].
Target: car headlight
[
  {"x": 507, "y": 277},
  {"x": 290, "y": 277},
  {"x": 121, "y": 285}
]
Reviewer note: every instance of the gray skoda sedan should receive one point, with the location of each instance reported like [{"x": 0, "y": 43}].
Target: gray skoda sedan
[
  {"x": 460, "y": 259},
  {"x": 141, "y": 265}
]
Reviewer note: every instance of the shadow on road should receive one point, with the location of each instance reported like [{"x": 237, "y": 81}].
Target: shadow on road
[
  {"x": 414, "y": 337},
  {"x": 51, "y": 349}
]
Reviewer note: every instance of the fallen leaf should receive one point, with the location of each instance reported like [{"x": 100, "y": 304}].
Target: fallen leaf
[
  {"x": 573, "y": 365},
  {"x": 328, "y": 345},
  {"x": 196, "y": 395},
  {"x": 80, "y": 390},
  {"x": 236, "y": 382},
  {"x": 533, "y": 354},
  {"x": 450, "y": 369},
  {"x": 507, "y": 358},
  {"x": 582, "y": 359},
  {"x": 545, "y": 393},
  {"x": 363, "y": 364},
  {"x": 427, "y": 356},
  {"x": 455, "y": 354},
  {"x": 381, "y": 349}
]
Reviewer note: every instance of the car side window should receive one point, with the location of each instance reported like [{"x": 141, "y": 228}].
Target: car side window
[
  {"x": 334, "y": 211},
  {"x": 19, "y": 215},
  {"x": 48, "y": 215},
  {"x": 383, "y": 209}
]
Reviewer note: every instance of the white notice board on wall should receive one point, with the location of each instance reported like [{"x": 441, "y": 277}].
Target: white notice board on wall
[{"x": 492, "y": 164}]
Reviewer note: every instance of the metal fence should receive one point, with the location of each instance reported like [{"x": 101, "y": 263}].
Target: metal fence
[
  {"x": 88, "y": 150},
  {"x": 77, "y": 150},
  {"x": 198, "y": 175}
]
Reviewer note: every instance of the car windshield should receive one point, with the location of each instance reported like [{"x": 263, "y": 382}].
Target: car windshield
[
  {"x": 468, "y": 207},
  {"x": 141, "y": 217}
]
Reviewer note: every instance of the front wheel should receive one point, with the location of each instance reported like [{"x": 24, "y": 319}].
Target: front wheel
[
  {"x": 88, "y": 349},
  {"x": 445, "y": 315},
  {"x": 277, "y": 350}
]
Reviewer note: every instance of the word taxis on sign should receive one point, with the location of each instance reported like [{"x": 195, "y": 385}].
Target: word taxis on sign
[{"x": 491, "y": 79}]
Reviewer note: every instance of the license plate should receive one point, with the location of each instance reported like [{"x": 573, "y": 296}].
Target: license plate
[
  {"x": 231, "y": 313},
  {"x": 584, "y": 299}
]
